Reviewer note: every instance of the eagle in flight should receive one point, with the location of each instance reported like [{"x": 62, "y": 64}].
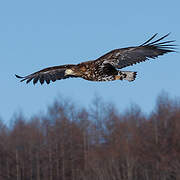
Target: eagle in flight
[{"x": 107, "y": 67}]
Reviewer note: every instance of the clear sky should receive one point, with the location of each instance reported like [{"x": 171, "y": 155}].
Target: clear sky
[{"x": 39, "y": 33}]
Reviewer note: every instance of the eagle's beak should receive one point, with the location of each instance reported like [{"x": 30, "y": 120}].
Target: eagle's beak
[{"x": 69, "y": 72}]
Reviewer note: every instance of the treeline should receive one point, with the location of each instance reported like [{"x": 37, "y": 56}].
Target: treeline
[{"x": 98, "y": 143}]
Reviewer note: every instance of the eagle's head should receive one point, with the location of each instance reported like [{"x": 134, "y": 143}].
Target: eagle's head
[
  {"x": 69, "y": 72},
  {"x": 75, "y": 71}
]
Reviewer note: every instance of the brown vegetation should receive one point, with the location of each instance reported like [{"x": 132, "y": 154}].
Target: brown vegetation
[{"x": 95, "y": 144}]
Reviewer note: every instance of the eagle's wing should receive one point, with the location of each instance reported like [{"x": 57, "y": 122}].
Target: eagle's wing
[
  {"x": 47, "y": 74},
  {"x": 123, "y": 57}
]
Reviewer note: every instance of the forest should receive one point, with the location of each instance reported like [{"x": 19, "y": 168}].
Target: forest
[{"x": 101, "y": 142}]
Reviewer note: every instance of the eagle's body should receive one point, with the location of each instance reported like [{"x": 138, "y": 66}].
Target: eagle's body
[
  {"x": 97, "y": 71},
  {"x": 106, "y": 67},
  {"x": 92, "y": 71}
]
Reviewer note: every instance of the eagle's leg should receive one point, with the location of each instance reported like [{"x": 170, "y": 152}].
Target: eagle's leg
[{"x": 126, "y": 75}]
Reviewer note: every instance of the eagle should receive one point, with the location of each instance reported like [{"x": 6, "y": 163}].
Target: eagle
[{"x": 107, "y": 67}]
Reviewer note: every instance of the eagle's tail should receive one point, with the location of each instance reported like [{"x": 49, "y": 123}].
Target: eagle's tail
[{"x": 129, "y": 75}]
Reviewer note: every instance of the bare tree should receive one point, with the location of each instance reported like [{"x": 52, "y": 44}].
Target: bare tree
[{"x": 99, "y": 143}]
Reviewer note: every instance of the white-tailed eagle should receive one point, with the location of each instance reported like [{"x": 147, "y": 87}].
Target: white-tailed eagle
[{"x": 106, "y": 67}]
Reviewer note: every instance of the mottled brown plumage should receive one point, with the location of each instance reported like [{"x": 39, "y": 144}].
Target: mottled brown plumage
[{"x": 106, "y": 67}]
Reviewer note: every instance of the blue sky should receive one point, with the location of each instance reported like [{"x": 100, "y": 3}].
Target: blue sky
[{"x": 37, "y": 34}]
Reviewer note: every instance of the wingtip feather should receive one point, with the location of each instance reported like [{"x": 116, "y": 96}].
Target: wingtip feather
[
  {"x": 20, "y": 77},
  {"x": 149, "y": 39}
]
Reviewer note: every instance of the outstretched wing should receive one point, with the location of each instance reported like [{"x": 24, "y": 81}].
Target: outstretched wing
[
  {"x": 47, "y": 74},
  {"x": 124, "y": 57}
]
